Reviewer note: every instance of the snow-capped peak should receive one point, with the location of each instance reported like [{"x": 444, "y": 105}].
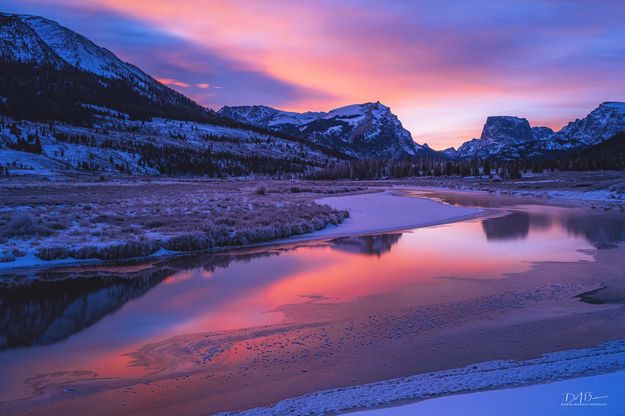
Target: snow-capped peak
[
  {"x": 42, "y": 41},
  {"x": 616, "y": 105},
  {"x": 601, "y": 124},
  {"x": 368, "y": 130}
]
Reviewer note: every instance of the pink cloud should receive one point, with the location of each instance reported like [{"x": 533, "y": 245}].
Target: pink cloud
[
  {"x": 443, "y": 68},
  {"x": 173, "y": 82}
]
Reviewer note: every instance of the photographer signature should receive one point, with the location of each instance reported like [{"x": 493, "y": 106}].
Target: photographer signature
[{"x": 583, "y": 398}]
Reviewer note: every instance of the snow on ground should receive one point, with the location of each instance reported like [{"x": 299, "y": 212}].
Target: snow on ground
[
  {"x": 594, "y": 395},
  {"x": 44, "y": 223},
  {"x": 551, "y": 367},
  {"x": 105, "y": 221},
  {"x": 106, "y": 144},
  {"x": 386, "y": 211}
]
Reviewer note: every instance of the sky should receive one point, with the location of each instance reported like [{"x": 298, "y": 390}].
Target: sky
[{"x": 441, "y": 66}]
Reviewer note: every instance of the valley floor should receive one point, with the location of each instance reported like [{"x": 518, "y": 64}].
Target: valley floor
[
  {"x": 483, "y": 320},
  {"x": 82, "y": 220}
]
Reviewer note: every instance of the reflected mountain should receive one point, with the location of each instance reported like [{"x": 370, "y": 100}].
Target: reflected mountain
[
  {"x": 45, "y": 312},
  {"x": 515, "y": 226},
  {"x": 602, "y": 230},
  {"x": 63, "y": 302},
  {"x": 372, "y": 245}
]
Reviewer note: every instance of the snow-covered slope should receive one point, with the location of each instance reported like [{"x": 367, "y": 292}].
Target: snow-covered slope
[
  {"x": 366, "y": 131},
  {"x": 114, "y": 145},
  {"x": 50, "y": 72},
  {"x": 512, "y": 137},
  {"x": 38, "y": 40},
  {"x": 19, "y": 42},
  {"x": 601, "y": 124}
]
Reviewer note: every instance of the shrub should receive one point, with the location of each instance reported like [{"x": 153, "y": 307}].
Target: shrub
[
  {"x": 84, "y": 252},
  {"x": 24, "y": 225},
  {"x": 52, "y": 253},
  {"x": 127, "y": 250},
  {"x": 190, "y": 242}
]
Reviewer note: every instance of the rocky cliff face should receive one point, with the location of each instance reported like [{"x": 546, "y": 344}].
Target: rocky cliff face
[
  {"x": 601, "y": 124},
  {"x": 512, "y": 137},
  {"x": 501, "y": 135},
  {"x": 365, "y": 131}
]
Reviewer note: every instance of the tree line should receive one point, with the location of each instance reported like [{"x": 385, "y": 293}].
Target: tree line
[{"x": 608, "y": 155}]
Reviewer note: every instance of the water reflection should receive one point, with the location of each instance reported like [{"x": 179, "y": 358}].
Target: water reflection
[
  {"x": 602, "y": 230},
  {"x": 372, "y": 245},
  {"x": 50, "y": 311},
  {"x": 64, "y": 302},
  {"x": 54, "y": 308},
  {"x": 509, "y": 227},
  {"x": 95, "y": 316}
]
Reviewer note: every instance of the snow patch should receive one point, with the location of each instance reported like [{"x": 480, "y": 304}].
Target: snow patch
[{"x": 551, "y": 367}]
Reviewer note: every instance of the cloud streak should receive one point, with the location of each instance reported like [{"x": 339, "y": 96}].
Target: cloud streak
[{"x": 442, "y": 67}]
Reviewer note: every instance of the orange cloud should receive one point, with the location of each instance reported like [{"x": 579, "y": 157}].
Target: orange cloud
[
  {"x": 171, "y": 81},
  {"x": 428, "y": 63}
]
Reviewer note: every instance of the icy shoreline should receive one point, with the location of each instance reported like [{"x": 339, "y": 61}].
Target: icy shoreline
[
  {"x": 370, "y": 213},
  {"x": 599, "y": 395},
  {"x": 608, "y": 357}
]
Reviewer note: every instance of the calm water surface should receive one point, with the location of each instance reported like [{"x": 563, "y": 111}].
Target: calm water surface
[{"x": 90, "y": 324}]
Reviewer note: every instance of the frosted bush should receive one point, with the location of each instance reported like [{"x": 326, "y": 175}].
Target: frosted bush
[
  {"x": 190, "y": 242},
  {"x": 24, "y": 225},
  {"x": 115, "y": 221},
  {"x": 52, "y": 253}
]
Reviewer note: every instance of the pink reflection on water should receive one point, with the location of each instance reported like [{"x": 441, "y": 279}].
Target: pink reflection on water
[{"x": 406, "y": 268}]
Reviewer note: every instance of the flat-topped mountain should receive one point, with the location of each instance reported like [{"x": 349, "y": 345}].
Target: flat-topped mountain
[{"x": 512, "y": 137}]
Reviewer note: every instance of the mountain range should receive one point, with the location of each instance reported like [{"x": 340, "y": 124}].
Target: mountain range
[
  {"x": 509, "y": 137},
  {"x": 51, "y": 73}
]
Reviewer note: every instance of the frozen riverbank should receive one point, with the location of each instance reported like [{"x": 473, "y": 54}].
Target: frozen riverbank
[
  {"x": 597, "y": 395},
  {"x": 388, "y": 211},
  {"x": 143, "y": 222},
  {"x": 488, "y": 375}
]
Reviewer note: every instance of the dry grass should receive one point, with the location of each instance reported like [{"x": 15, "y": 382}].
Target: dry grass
[{"x": 121, "y": 220}]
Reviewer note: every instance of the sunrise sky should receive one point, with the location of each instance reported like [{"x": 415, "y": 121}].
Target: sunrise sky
[{"x": 441, "y": 66}]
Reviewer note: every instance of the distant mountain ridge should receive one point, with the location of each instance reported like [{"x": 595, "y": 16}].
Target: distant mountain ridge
[
  {"x": 510, "y": 137},
  {"x": 49, "y": 72},
  {"x": 365, "y": 131}
]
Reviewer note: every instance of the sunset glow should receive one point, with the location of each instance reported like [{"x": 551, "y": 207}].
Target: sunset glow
[{"x": 441, "y": 68}]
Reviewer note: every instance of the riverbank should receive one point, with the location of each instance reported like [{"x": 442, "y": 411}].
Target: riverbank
[
  {"x": 599, "y": 395},
  {"x": 78, "y": 222},
  {"x": 81, "y": 224},
  {"x": 341, "y": 315},
  {"x": 490, "y": 376}
]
